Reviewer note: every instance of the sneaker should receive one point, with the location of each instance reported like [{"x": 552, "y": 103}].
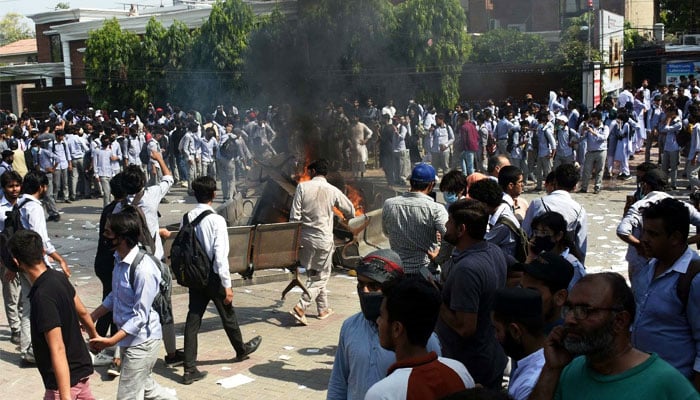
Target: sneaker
[
  {"x": 189, "y": 377},
  {"x": 115, "y": 369},
  {"x": 249, "y": 348},
  {"x": 102, "y": 359},
  {"x": 175, "y": 360},
  {"x": 596, "y": 190},
  {"x": 14, "y": 338}
]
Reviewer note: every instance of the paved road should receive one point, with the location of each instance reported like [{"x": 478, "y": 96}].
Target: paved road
[{"x": 293, "y": 361}]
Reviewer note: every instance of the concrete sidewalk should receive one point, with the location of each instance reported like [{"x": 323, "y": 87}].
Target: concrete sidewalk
[{"x": 293, "y": 361}]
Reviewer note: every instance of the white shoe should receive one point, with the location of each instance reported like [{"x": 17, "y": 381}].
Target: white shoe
[{"x": 101, "y": 359}]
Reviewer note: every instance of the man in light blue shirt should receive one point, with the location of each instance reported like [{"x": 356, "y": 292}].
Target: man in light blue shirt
[
  {"x": 545, "y": 150},
  {"x": 360, "y": 361},
  {"x": 441, "y": 138},
  {"x": 668, "y": 319},
  {"x": 132, "y": 310},
  {"x": 596, "y": 137},
  {"x": 64, "y": 164}
]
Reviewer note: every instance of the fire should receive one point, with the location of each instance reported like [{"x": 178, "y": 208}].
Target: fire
[{"x": 357, "y": 201}]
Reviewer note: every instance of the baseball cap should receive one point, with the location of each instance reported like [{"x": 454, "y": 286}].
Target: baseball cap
[
  {"x": 562, "y": 118},
  {"x": 380, "y": 265},
  {"x": 518, "y": 303},
  {"x": 423, "y": 173},
  {"x": 552, "y": 269}
]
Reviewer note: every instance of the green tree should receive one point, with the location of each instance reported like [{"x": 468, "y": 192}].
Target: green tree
[
  {"x": 573, "y": 50},
  {"x": 679, "y": 16},
  {"x": 112, "y": 71},
  {"x": 432, "y": 40},
  {"x": 164, "y": 54},
  {"x": 509, "y": 45},
  {"x": 216, "y": 64},
  {"x": 13, "y": 27},
  {"x": 63, "y": 5},
  {"x": 348, "y": 44}
]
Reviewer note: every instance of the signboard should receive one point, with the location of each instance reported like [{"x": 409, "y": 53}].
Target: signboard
[
  {"x": 676, "y": 69},
  {"x": 611, "y": 34}
]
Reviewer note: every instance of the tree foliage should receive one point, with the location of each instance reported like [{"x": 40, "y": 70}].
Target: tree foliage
[
  {"x": 679, "y": 16},
  {"x": 216, "y": 63},
  {"x": 111, "y": 67},
  {"x": 165, "y": 54},
  {"x": 13, "y": 27},
  {"x": 431, "y": 39},
  {"x": 509, "y": 45},
  {"x": 63, "y": 5}
]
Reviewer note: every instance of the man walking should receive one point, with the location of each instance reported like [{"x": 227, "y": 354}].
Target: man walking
[
  {"x": 213, "y": 237},
  {"x": 313, "y": 205}
]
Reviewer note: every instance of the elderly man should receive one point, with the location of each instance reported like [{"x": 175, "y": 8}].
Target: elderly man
[{"x": 591, "y": 356}]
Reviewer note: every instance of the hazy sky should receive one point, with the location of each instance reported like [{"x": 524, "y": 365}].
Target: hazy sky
[{"x": 27, "y": 7}]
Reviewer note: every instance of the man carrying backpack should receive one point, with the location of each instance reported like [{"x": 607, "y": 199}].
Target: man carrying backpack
[
  {"x": 131, "y": 303},
  {"x": 211, "y": 235},
  {"x": 11, "y": 183}
]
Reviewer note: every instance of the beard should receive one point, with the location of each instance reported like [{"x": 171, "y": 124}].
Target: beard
[
  {"x": 512, "y": 348},
  {"x": 598, "y": 341}
]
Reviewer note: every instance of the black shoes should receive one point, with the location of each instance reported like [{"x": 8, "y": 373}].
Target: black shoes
[
  {"x": 175, "y": 360},
  {"x": 249, "y": 348},
  {"x": 54, "y": 218},
  {"x": 193, "y": 376}
]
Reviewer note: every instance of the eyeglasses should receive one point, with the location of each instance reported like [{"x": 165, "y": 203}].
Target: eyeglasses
[{"x": 582, "y": 312}]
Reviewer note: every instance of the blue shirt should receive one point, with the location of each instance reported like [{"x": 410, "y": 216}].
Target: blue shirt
[
  {"x": 502, "y": 129},
  {"x": 545, "y": 136},
  {"x": 579, "y": 269},
  {"x": 60, "y": 149},
  {"x": 599, "y": 141},
  {"x": 660, "y": 325},
  {"x": 671, "y": 130},
  {"x": 47, "y": 160},
  {"x": 524, "y": 376},
  {"x": 360, "y": 361},
  {"x": 101, "y": 162},
  {"x": 132, "y": 307}
]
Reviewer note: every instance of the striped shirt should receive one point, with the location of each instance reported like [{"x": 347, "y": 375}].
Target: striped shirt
[{"x": 411, "y": 222}]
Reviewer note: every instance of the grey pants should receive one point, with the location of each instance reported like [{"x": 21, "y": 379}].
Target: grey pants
[
  {"x": 48, "y": 199},
  {"x": 136, "y": 380},
  {"x": 670, "y": 161},
  {"x": 228, "y": 179},
  {"x": 106, "y": 190},
  {"x": 25, "y": 340},
  {"x": 10, "y": 296},
  {"x": 77, "y": 177},
  {"x": 318, "y": 263},
  {"x": 593, "y": 166},
  {"x": 544, "y": 167},
  {"x": 60, "y": 182}
]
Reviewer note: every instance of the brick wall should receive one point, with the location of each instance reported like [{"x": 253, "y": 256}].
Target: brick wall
[{"x": 77, "y": 64}]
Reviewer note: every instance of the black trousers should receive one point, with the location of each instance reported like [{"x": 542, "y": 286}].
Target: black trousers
[
  {"x": 105, "y": 323},
  {"x": 199, "y": 299}
]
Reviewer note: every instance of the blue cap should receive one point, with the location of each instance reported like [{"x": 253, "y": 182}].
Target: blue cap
[{"x": 423, "y": 173}]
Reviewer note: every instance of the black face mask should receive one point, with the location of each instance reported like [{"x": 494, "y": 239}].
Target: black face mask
[
  {"x": 370, "y": 303},
  {"x": 542, "y": 243}
]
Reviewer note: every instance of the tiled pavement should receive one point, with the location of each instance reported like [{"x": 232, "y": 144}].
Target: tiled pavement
[{"x": 293, "y": 361}]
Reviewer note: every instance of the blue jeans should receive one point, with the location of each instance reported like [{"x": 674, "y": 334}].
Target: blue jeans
[{"x": 468, "y": 158}]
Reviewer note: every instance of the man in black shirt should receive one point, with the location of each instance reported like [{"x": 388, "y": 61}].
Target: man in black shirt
[{"x": 56, "y": 314}]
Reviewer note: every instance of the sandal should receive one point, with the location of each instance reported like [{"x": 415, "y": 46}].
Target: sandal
[
  {"x": 325, "y": 313},
  {"x": 299, "y": 315}
]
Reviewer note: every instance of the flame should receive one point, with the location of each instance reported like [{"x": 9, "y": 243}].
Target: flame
[{"x": 357, "y": 200}]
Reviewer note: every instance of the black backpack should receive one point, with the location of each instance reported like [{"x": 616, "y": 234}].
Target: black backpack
[
  {"x": 229, "y": 148},
  {"x": 521, "y": 243},
  {"x": 161, "y": 303},
  {"x": 13, "y": 224},
  {"x": 144, "y": 154},
  {"x": 190, "y": 263}
]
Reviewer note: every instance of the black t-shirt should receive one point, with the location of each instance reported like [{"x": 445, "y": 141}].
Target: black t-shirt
[{"x": 53, "y": 306}]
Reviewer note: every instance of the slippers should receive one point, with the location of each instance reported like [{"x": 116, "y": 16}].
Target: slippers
[
  {"x": 299, "y": 316},
  {"x": 325, "y": 313}
]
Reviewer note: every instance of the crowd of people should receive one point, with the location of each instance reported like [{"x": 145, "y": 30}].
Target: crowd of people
[{"x": 478, "y": 287}]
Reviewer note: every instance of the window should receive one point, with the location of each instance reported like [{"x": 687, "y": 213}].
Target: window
[{"x": 55, "y": 48}]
